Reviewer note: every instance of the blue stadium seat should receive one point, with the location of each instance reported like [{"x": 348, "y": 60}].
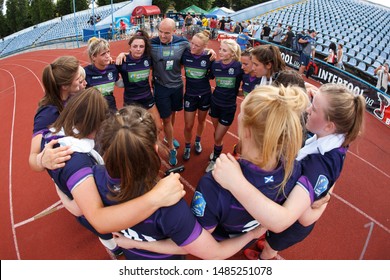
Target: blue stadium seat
[
  {"x": 364, "y": 52},
  {"x": 368, "y": 61},
  {"x": 359, "y": 57},
  {"x": 376, "y": 64},
  {"x": 351, "y": 53},
  {"x": 352, "y": 62},
  {"x": 381, "y": 59}
]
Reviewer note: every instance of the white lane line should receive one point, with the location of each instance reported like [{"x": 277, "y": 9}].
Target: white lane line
[
  {"x": 370, "y": 164},
  {"x": 56, "y": 206},
  {"x": 361, "y": 212},
  {"x": 11, "y": 144}
]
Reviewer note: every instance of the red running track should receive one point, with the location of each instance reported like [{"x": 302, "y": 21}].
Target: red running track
[{"x": 34, "y": 225}]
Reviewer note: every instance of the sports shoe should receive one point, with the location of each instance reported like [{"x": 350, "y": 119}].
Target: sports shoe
[
  {"x": 235, "y": 150},
  {"x": 187, "y": 153},
  {"x": 211, "y": 165},
  {"x": 117, "y": 251},
  {"x": 198, "y": 148},
  {"x": 260, "y": 244},
  {"x": 172, "y": 157},
  {"x": 176, "y": 143},
  {"x": 251, "y": 254}
]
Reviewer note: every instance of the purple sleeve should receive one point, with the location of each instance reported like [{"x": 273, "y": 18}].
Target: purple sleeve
[
  {"x": 45, "y": 117},
  {"x": 77, "y": 169},
  {"x": 180, "y": 224},
  {"x": 205, "y": 202}
]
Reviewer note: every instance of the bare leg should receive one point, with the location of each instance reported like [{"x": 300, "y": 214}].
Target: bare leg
[
  {"x": 268, "y": 252},
  {"x": 201, "y": 122},
  {"x": 189, "y": 120},
  {"x": 156, "y": 116}
]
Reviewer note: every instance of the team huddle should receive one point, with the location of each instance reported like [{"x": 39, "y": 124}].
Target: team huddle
[{"x": 106, "y": 161}]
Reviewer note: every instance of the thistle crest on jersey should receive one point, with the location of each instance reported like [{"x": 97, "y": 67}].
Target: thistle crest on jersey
[
  {"x": 321, "y": 185},
  {"x": 198, "y": 204}
]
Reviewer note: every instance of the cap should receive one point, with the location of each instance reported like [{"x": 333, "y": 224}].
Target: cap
[
  {"x": 312, "y": 30},
  {"x": 245, "y": 30}
]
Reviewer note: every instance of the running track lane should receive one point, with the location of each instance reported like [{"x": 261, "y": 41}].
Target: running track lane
[{"x": 354, "y": 226}]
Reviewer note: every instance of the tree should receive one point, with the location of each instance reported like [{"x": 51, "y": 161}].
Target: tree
[
  {"x": 162, "y": 4},
  {"x": 4, "y": 31},
  {"x": 17, "y": 15},
  {"x": 65, "y": 7},
  {"x": 41, "y": 10}
]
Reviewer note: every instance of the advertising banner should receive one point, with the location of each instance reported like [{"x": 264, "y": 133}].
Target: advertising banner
[{"x": 377, "y": 102}]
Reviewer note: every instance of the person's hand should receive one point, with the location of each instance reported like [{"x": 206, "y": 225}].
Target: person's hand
[
  {"x": 213, "y": 54},
  {"x": 120, "y": 58},
  {"x": 168, "y": 191},
  {"x": 227, "y": 171},
  {"x": 318, "y": 203},
  {"x": 54, "y": 158},
  {"x": 124, "y": 242}
]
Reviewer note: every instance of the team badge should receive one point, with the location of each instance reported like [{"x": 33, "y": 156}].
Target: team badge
[
  {"x": 203, "y": 63},
  {"x": 110, "y": 76},
  {"x": 268, "y": 179},
  {"x": 198, "y": 204},
  {"x": 321, "y": 185},
  {"x": 231, "y": 71},
  {"x": 146, "y": 63}
]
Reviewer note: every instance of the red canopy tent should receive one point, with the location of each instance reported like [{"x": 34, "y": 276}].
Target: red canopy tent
[{"x": 146, "y": 11}]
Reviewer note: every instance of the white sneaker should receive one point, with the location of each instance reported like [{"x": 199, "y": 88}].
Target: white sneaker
[{"x": 211, "y": 165}]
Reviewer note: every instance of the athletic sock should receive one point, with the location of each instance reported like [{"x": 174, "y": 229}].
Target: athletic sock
[{"x": 217, "y": 151}]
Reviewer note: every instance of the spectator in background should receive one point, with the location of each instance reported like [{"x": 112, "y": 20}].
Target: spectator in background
[
  {"x": 265, "y": 32},
  {"x": 308, "y": 51},
  {"x": 383, "y": 76},
  {"x": 205, "y": 23},
  {"x": 287, "y": 40},
  {"x": 277, "y": 34},
  {"x": 243, "y": 39},
  {"x": 340, "y": 55},
  {"x": 332, "y": 57},
  {"x": 256, "y": 31},
  {"x": 109, "y": 33},
  {"x": 221, "y": 24},
  {"x": 122, "y": 29},
  {"x": 213, "y": 27},
  {"x": 229, "y": 25},
  {"x": 181, "y": 22},
  {"x": 188, "y": 23},
  {"x": 237, "y": 28},
  {"x": 250, "y": 28}
]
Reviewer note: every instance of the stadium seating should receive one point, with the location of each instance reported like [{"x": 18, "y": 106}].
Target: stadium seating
[
  {"x": 363, "y": 28},
  {"x": 65, "y": 28}
]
